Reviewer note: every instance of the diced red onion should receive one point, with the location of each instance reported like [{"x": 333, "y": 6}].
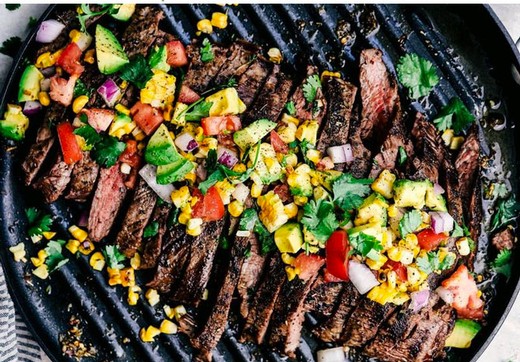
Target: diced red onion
[
  {"x": 201, "y": 172},
  {"x": 110, "y": 92},
  {"x": 84, "y": 41},
  {"x": 226, "y": 157},
  {"x": 83, "y": 219},
  {"x": 45, "y": 84},
  {"x": 441, "y": 222},
  {"x": 186, "y": 142},
  {"x": 48, "y": 31},
  {"x": 340, "y": 154},
  {"x": 445, "y": 294},
  {"x": 241, "y": 192},
  {"x": 30, "y": 108},
  {"x": 149, "y": 174},
  {"x": 336, "y": 354},
  {"x": 437, "y": 189},
  {"x": 419, "y": 300},
  {"x": 361, "y": 276},
  {"x": 48, "y": 72}
]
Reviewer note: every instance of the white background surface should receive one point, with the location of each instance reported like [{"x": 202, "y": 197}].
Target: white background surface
[{"x": 505, "y": 346}]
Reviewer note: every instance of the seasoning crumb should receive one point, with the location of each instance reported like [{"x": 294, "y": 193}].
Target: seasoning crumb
[{"x": 71, "y": 344}]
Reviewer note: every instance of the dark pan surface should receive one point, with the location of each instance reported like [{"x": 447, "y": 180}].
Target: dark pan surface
[{"x": 466, "y": 43}]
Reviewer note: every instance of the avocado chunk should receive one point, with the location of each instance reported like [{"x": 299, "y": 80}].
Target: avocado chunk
[
  {"x": 109, "y": 53},
  {"x": 435, "y": 202},
  {"x": 373, "y": 209},
  {"x": 225, "y": 102},
  {"x": 157, "y": 59},
  {"x": 29, "y": 84},
  {"x": 161, "y": 148},
  {"x": 173, "y": 172},
  {"x": 288, "y": 238},
  {"x": 409, "y": 193},
  {"x": 267, "y": 168},
  {"x": 373, "y": 229},
  {"x": 123, "y": 12},
  {"x": 463, "y": 333},
  {"x": 253, "y": 133},
  {"x": 14, "y": 124}
]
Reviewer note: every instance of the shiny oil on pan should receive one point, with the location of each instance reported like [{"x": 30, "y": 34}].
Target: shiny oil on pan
[{"x": 473, "y": 56}]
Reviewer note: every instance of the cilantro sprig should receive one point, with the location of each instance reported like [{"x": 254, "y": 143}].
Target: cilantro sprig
[
  {"x": 151, "y": 229},
  {"x": 319, "y": 219},
  {"x": 249, "y": 221},
  {"x": 105, "y": 149},
  {"x": 502, "y": 263},
  {"x": 113, "y": 257},
  {"x": 506, "y": 212},
  {"x": 206, "y": 52},
  {"x": 431, "y": 262},
  {"x": 365, "y": 245},
  {"x": 55, "y": 258},
  {"x": 417, "y": 74},
  {"x": 290, "y": 108},
  {"x": 349, "y": 193},
  {"x": 454, "y": 115},
  {"x": 200, "y": 110},
  {"x": 38, "y": 221},
  {"x": 137, "y": 71},
  {"x": 88, "y": 13},
  {"x": 310, "y": 87},
  {"x": 410, "y": 222}
]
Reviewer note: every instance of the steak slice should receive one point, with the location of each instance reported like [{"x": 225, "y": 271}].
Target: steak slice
[
  {"x": 200, "y": 73},
  {"x": 44, "y": 141},
  {"x": 54, "y": 182},
  {"x": 323, "y": 297},
  {"x": 429, "y": 149},
  {"x": 331, "y": 329},
  {"x": 305, "y": 110},
  {"x": 152, "y": 248},
  {"x": 108, "y": 198},
  {"x": 453, "y": 199},
  {"x": 200, "y": 262},
  {"x": 142, "y": 30},
  {"x": 503, "y": 240},
  {"x": 379, "y": 96},
  {"x": 264, "y": 303},
  {"x": 240, "y": 56},
  {"x": 129, "y": 238},
  {"x": 360, "y": 166},
  {"x": 474, "y": 219},
  {"x": 467, "y": 166},
  {"x": 84, "y": 178},
  {"x": 251, "y": 81},
  {"x": 340, "y": 96}
]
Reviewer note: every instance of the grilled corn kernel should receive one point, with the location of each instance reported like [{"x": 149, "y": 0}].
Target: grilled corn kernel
[
  {"x": 179, "y": 311},
  {"x": 123, "y": 84},
  {"x": 37, "y": 261},
  {"x": 148, "y": 334},
  {"x": 72, "y": 245},
  {"x": 196, "y": 231},
  {"x": 79, "y": 103},
  {"x": 44, "y": 98},
  {"x": 41, "y": 272},
  {"x": 89, "y": 56},
  {"x": 384, "y": 183},
  {"x": 393, "y": 211},
  {"x": 152, "y": 296},
  {"x": 291, "y": 210},
  {"x": 236, "y": 208},
  {"x": 44, "y": 60},
  {"x": 133, "y": 295},
  {"x": 413, "y": 275},
  {"x": 275, "y": 55},
  {"x": 97, "y": 261},
  {"x": 319, "y": 192},
  {"x": 287, "y": 259},
  {"x": 256, "y": 190},
  {"x": 411, "y": 241},
  {"x": 77, "y": 233},
  {"x": 168, "y": 327},
  {"x": 127, "y": 277},
  {"x": 122, "y": 109},
  {"x": 328, "y": 73},
  {"x": 377, "y": 264},
  {"x": 205, "y": 26},
  {"x": 394, "y": 253},
  {"x": 168, "y": 311},
  {"x": 291, "y": 272},
  {"x": 456, "y": 142},
  {"x": 184, "y": 218},
  {"x": 181, "y": 196},
  {"x": 114, "y": 276},
  {"x": 300, "y": 200},
  {"x": 406, "y": 257},
  {"x": 219, "y": 20},
  {"x": 18, "y": 251},
  {"x": 391, "y": 279},
  {"x": 463, "y": 246},
  {"x": 86, "y": 247},
  {"x": 314, "y": 156},
  {"x": 288, "y": 119},
  {"x": 447, "y": 136}
]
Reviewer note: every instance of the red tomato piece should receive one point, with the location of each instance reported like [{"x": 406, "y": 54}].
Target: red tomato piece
[
  {"x": 309, "y": 265},
  {"x": 69, "y": 144},
  {"x": 69, "y": 59},
  {"x": 176, "y": 54},
  {"x": 399, "y": 268},
  {"x": 130, "y": 155},
  {"x": 466, "y": 300},
  {"x": 146, "y": 117},
  {"x": 188, "y": 95},
  {"x": 213, "y": 126},
  {"x": 428, "y": 240},
  {"x": 209, "y": 207},
  {"x": 99, "y": 118},
  {"x": 197, "y": 210},
  {"x": 278, "y": 144},
  {"x": 336, "y": 251}
]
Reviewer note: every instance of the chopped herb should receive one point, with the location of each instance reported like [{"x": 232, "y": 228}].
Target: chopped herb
[
  {"x": 88, "y": 133},
  {"x": 502, "y": 263},
  {"x": 500, "y": 190},
  {"x": 173, "y": 217},
  {"x": 457, "y": 231},
  {"x": 265, "y": 238},
  {"x": 224, "y": 243},
  {"x": 32, "y": 22},
  {"x": 113, "y": 257},
  {"x": 402, "y": 156},
  {"x": 291, "y": 109},
  {"x": 87, "y": 13},
  {"x": 319, "y": 219},
  {"x": 248, "y": 220},
  {"x": 304, "y": 147},
  {"x": 12, "y": 7},
  {"x": 81, "y": 89},
  {"x": 417, "y": 74},
  {"x": 55, "y": 258},
  {"x": 11, "y": 46},
  {"x": 105, "y": 149},
  {"x": 365, "y": 245},
  {"x": 151, "y": 229},
  {"x": 211, "y": 163},
  {"x": 349, "y": 191},
  {"x": 38, "y": 221},
  {"x": 200, "y": 110},
  {"x": 310, "y": 88},
  {"x": 409, "y": 223},
  {"x": 212, "y": 179},
  {"x": 506, "y": 212},
  {"x": 137, "y": 72},
  {"x": 431, "y": 262},
  {"x": 454, "y": 115},
  {"x": 206, "y": 53},
  {"x": 232, "y": 82}
]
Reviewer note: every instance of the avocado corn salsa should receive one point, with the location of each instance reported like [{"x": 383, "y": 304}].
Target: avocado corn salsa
[{"x": 309, "y": 181}]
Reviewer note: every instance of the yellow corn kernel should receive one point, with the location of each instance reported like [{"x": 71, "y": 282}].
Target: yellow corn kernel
[
  {"x": 291, "y": 273},
  {"x": 447, "y": 136},
  {"x": 300, "y": 200},
  {"x": 74, "y": 34},
  {"x": 291, "y": 210},
  {"x": 181, "y": 196},
  {"x": 406, "y": 257},
  {"x": 77, "y": 233},
  {"x": 148, "y": 334},
  {"x": 391, "y": 279},
  {"x": 328, "y": 73},
  {"x": 179, "y": 311},
  {"x": 377, "y": 264},
  {"x": 287, "y": 119},
  {"x": 184, "y": 218},
  {"x": 18, "y": 251},
  {"x": 314, "y": 156},
  {"x": 42, "y": 255},
  {"x": 36, "y": 261},
  {"x": 168, "y": 311},
  {"x": 205, "y": 26},
  {"x": 41, "y": 272},
  {"x": 168, "y": 327},
  {"x": 196, "y": 231},
  {"x": 462, "y": 245},
  {"x": 413, "y": 275},
  {"x": 256, "y": 190},
  {"x": 44, "y": 60},
  {"x": 456, "y": 142},
  {"x": 97, "y": 261},
  {"x": 291, "y": 160},
  {"x": 152, "y": 296},
  {"x": 86, "y": 247},
  {"x": 135, "y": 262},
  {"x": 138, "y": 134},
  {"x": 123, "y": 84},
  {"x": 384, "y": 184},
  {"x": 49, "y": 234},
  {"x": 411, "y": 241},
  {"x": 127, "y": 277},
  {"x": 44, "y": 98},
  {"x": 392, "y": 211},
  {"x": 219, "y": 20},
  {"x": 394, "y": 253},
  {"x": 235, "y": 208},
  {"x": 114, "y": 276},
  {"x": 89, "y": 56},
  {"x": 122, "y": 109},
  {"x": 133, "y": 295},
  {"x": 275, "y": 55},
  {"x": 401, "y": 298},
  {"x": 72, "y": 245},
  {"x": 79, "y": 103},
  {"x": 287, "y": 259}
]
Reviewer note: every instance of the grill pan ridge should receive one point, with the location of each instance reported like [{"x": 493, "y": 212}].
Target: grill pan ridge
[{"x": 301, "y": 32}]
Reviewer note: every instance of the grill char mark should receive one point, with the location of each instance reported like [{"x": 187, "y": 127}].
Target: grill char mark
[{"x": 152, "y": 248}]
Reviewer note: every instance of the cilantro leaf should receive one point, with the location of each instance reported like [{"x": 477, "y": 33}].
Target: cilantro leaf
[
  {"x": 38, "y": 222},
  {"x": 506, "y": 212},
  {"x": 211, "y": 161},
  {"x": 365, "y": 245},
  {"x": 87, "y": 13},
  {"x": 319, "y": 218},
  {"x": 417, "y": 74},
  {"x": 106, "y": 152},
  {"x": 200, "y": 110},
  {"x": 81, "y": 89},
  {"x": 454, "y": 115},
  {"x": 206, "y": 53},
  {"x": 265, "y": 238},
  {"x": 349, "y": 191},
  {"x": 232, "y": 82},
  {"x": 248, "y": 220},
  {"x": 137, "y": 72},
  {"x": 500, "y": 190},
  {"x": 55, "y": 258},
  {"x": 89, "y": 134},
  {"x": 409, "y": 223},
  {"x": 457, "y": 231},
  {"x": 10, "y": 46},
  {"x": 310, "y": 87},
  {"x": 212, "y": 179},
  {"x": 502, "y": 263},
  {"x": 402, "y": 156},
  {"x": 151, "y": 229},
  {"x": 291, "y": 109},
  {"x": 431, "y": 262},
  {"x": 113, "y": 257}
]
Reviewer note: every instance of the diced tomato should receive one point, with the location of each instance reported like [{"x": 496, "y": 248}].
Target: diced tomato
[
  {"x": 69, "y": 145},
  {"x": 130, "y": 155},
  {"x": 428, "y": 240},
  {"x": 99, "y": 118},
  {"x": 329, "y": 278},
  {"x": 209, "y": 207},
  {"x": 336, "y": 251},
  {"x": 146, "y": 117},
  {"x": 188, "y": 95},
  {"x": 69, "y": 59},
  {"x": 399, "y": 268},
  {"x": 309, "y": 265},
  {"x": 131, "y": 179},
  {"x": 197, "y": 211},
  {"x": 62, "y": 90},
  {"x": 213, "y": 126},
  {"x": 176, "y": 54},
  {"x": 466, "y": 300},
  {"x": 278, "y": 144}
]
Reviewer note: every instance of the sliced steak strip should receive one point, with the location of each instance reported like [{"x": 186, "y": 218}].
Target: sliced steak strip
[
  {"x": 331, "y": 329},
  {"x": 429, "y": 149},
  {"x": 453, "y": 199},
  {"x": 340, "y": 95},
  {"x": 251, "y": 81},
  {"x": 200, "y": 262},
  {"x": 129, "y": 238},
  {"x": 305, "y": 110},
  {"x": 152, "y": 248},
  {"x": 474, "y": 219},
  {"x": 360, "y": 166},
  {"x": 84, "y": 178},
  {"x": 264, "y": 303},
  {"x": 142, "y": 30},
  {"x": 54, "y": 182},
  {"x": 467, "y": 166},
  {"x": 200, "y": 74},
  {"x": 323, "y": 298},
  {"x": 43, "y": 144},
  {"x": 503, "y": 240},
  {"x": 240, "y": 56},
  {"x": 108, "y": 198}
]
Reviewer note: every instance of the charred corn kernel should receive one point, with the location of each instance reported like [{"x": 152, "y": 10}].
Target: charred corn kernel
[
  {"x": 205, "y": 26},
  {"x": 152, "y": 296},
  {"x": 391, "y": 279},
  {"x": 320, "y": 192},
  {"x": 272, "y": 213},
  {"x": 275, "y": 55},
  {"x": 148, "y": 334},
  {"x": 328, "y": 73},
  {"x": 179, "y": 311},
  {"x": 394, "y": 253},
  {"x": 89, "y": 56},
  {"x": 225, "y": 190},
  {"x": 308, "y": 130},
  {"x": 138, "y": 134},
  {"x": 159, "y": 91},
  {"x": 122, "y": 109},
  {"x": 287, "y": 259},
  {"x": 79, "y": 103},
  {"x": 168, "y": 311},
  {"x": 456, "y": 142},
  {"x": 44, "y": 98},
  {"x": 127, "y": 277},
  {"x": 77, "y": 233},
  {"x": 133, "y": 295},
  {"x": 235, "y": 208},
  {"x": 291, "y": 210},
  {"x": 86, "y": 247},
  {"x": 291, "y": 272},
  {"x": 135, "y": 262},
  {"x": 219, "y": 20},
  {"x": 73, "y": 245},
  {"x": 406, "y": 257},
  {"x": 300, "y": 200},
  {"x": 196, "y": 231},
  {"x": 413, "y": 274},
  {"x": 382, "y": 294},
  {"x": 288, "y": 119},
  {"x": 114, "y": 276},
  {"x": 411, "y": 241},
  {"x": 393, "y": 211},
  {"x": 41, "y": 272},
  {"x": 49, "y": 234},
  {"x": 384, "y": 183},
  {"x": 314, "y": 156},
  {"x": 97, "y": 261},
  {"x": 168, "y": 327},
  {"x": 256, "y": 190},
  {"x": 377, "y": 264},
  {"x": 18, "y": 251},
  {"x": 181, "y": 196},
  {"x": 447, "y": 136},
  {"x": 462, "y": 245}
]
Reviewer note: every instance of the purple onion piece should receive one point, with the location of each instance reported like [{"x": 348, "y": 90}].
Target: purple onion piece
[
  {"x": 48, "y": 31},
  {"x": 110, "y": 92},
  {"x": 419, "y": 300},
  {"x": 31, "y": 108},
  {"x": 48, "y": 72},
  {"x": 192, "y": 145}
]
